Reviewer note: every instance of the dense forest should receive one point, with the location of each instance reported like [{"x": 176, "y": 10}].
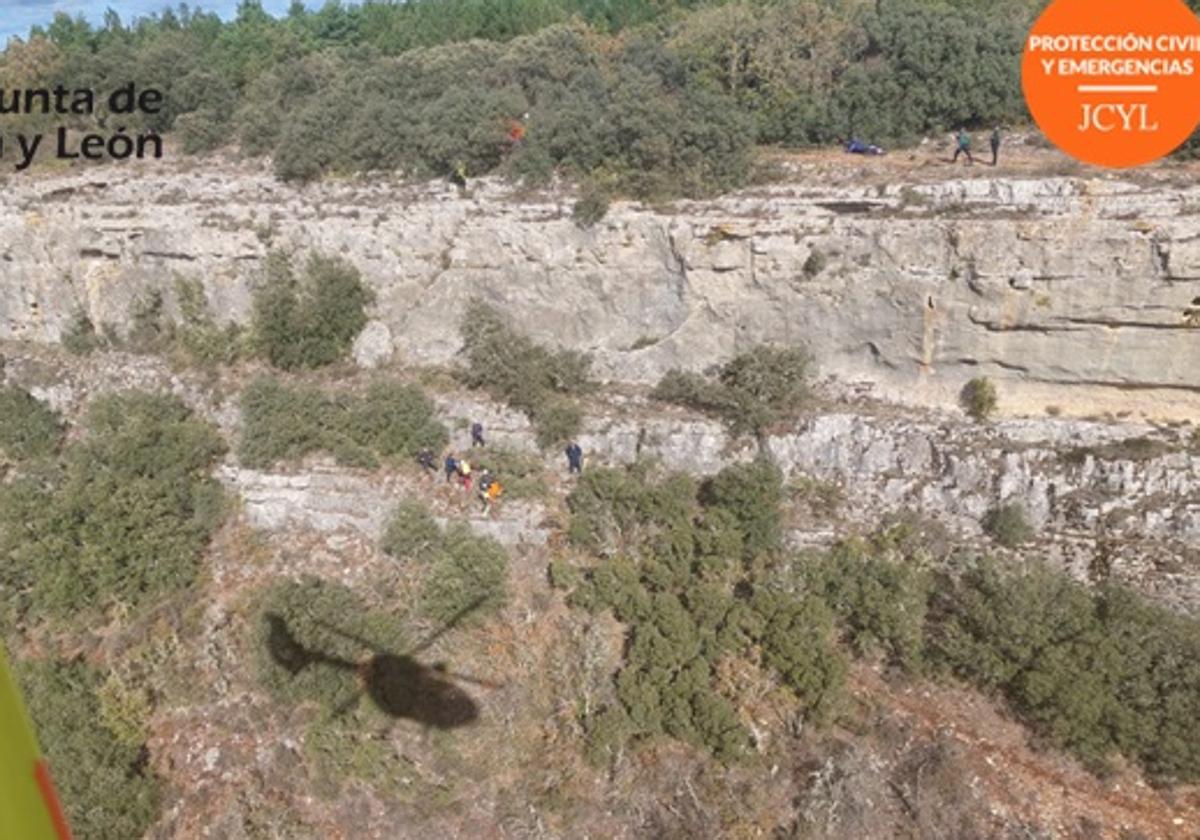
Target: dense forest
[{"x": 646, "y": 98}]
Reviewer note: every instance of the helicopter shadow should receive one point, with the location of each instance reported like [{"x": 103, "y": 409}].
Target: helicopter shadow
[{"x": 398, "y": 684}]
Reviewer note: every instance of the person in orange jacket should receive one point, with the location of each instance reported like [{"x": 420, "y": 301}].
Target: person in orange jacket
[{"x": 516, "y": 132}]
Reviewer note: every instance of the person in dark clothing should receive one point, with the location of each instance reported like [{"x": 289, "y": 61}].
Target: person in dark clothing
[
  {"x": 995, "y": 144},
  {"x": 477, "y": 434},
  {"x": 450, "y": 468},
  {"x": 858, "y": 147},
  {"x": 963, "y": 146},
  {"x": 574, "y": 458},
  {"x": 425, "y": 459}
]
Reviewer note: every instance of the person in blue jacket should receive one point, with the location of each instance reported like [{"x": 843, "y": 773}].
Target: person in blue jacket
[
  {"x": 858, "y": 147},
  {"x": 574, "y": 457}
]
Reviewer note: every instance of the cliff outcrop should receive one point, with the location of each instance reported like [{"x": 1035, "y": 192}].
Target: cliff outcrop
[{"x": 1080, "y": 295}]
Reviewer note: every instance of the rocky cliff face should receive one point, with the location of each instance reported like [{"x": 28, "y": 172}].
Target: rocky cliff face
[
  {"x": 1106, "y": 499},
  {"x": 1078, "y": 294}
]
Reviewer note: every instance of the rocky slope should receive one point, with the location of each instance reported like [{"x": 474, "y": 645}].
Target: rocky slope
[
  {"x": 1106, "y": 498},
  {"x": 921, "y": 759},
  {"x": 1077, "y": 294}
]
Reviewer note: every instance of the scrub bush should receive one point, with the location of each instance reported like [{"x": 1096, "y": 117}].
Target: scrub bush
[
  {"x": 752, "y": 493},
  {"x": 312, "y": 320},
  {"x": 469, "y": 573},
  {"x": 750, "y": 393},
  {"x": 616, "y": 510},
  {"x": 411, "y": 533},
  {"x": 979, "y": 398},
  {"x": 80, "y": 336},
  {"x": 310, "y": 638},
  {"x": 106, "y": 787},
  {"x": 28, "y": 427},
  {"x": 795, "y": 638},
  {"x": 127, "y": 517},
  {"x": 461, "y": 575},
  {"x": 197, "y": 335},
  {"x": 509, "y": 366},
  {"x": 1095, "y": 673},
  {"x": 881, "y": 601},
  {"x": 283, "y": 423},
  {"x": 590, "y": 207},
  {"x": 1008, "y": 525},
  {"x": 674, "y": 577}
]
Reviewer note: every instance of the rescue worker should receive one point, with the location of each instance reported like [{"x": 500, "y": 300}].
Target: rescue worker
[
  {"x": 963, "y": 146},
  {"x": 491, "y": 495},
  {"x": 425, "y": 459},
  {"x": 458, "y": 177},
  {"x": 574, "y": 457},
  {"x": 516, "y": 132},
  {"x": 486, "y": 480}
]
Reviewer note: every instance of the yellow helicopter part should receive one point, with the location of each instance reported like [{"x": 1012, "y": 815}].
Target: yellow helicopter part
[{"x": 29, "y": 808}]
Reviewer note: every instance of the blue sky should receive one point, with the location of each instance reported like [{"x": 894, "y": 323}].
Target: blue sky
[{"x": 16, "y": 16}]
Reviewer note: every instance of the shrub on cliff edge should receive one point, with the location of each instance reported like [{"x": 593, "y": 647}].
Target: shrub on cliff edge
[{"x": 309, "y": 321}]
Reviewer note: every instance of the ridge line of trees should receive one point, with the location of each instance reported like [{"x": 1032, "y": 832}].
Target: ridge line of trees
[{"x": 650, "y": 99}]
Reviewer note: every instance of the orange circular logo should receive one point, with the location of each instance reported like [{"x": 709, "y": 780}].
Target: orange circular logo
[{"x": 1112, "y": 82}]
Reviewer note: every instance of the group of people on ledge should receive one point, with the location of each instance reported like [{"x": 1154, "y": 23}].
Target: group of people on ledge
[{"x": 489, "y": 486}]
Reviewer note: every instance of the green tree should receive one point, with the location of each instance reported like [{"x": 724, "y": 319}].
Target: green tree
[{"x": 310, "y": 321}]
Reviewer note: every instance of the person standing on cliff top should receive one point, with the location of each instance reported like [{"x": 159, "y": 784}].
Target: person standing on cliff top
[
  {"x": 458, "y": 176},
  {"x": 516, "y": 131},
  {"x": 963, "y": 147},
  {"x": 995, "y": 141}
]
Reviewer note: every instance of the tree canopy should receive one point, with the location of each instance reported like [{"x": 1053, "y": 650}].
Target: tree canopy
[{"x": 651, "y": 99}]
